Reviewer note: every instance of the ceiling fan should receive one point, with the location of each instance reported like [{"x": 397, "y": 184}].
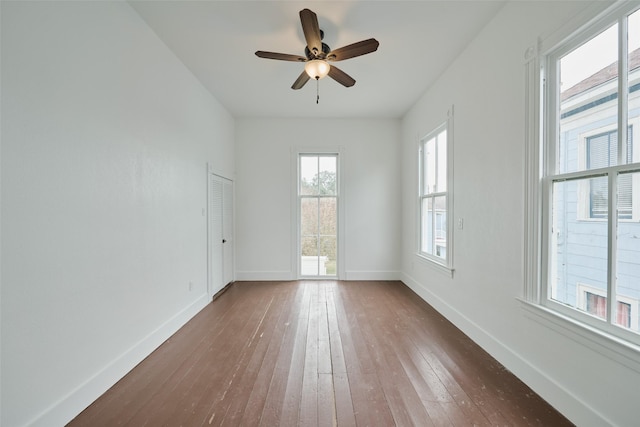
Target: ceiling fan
[{"x": 319, "y": 54}]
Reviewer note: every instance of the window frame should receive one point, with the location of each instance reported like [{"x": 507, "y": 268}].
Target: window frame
[
  {"x": 541, "y": 125},
  {"x": 443, "y": 264}
]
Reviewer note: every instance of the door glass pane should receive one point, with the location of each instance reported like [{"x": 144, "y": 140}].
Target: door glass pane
[
  {"x": 628, "y": 253},
  {"x": 328, "y": 235},
  {"x": 328, "y": 252},
  {"x": 308, "y": 175},
  {"x": 578, "y": 250},
  {"x": 309, "y": 259},
  {"x": 588, "y": 96},
  {"x": 326, "y": 178},
  {"x": 308, "y": 216},
  {"x": 328, "y": 216}
]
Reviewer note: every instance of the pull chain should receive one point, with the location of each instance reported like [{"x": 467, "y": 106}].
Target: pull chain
[{"x": 317, "y": 90}]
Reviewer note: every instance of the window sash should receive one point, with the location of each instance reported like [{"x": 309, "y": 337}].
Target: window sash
[{"x": 616, "y": 184}]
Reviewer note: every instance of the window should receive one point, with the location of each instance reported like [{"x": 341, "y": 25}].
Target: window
[
  {"x": 588, "y": 226},
  {"x": 434, "y": 195}
]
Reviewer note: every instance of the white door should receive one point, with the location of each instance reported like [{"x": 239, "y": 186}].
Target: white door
[
  {"x": 220, "y": 233},
  {"x": 227, "y": 232}
]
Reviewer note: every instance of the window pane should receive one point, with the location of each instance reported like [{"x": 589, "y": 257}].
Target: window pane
[
  {"x": 633, "y": 40},
  {"x": 427, "y": 225},
  {"x": 308, "y": 175},
  {"x": 578, "y": 249},
  {"x": 442, "y": 162},
  {"x": 628, "y": 254},
  {"x": 429, "y": 166},
  {"x": 588, "y": 95},
  {"x": 441, "y": 227},
  {"x": 327, "y": 175}
]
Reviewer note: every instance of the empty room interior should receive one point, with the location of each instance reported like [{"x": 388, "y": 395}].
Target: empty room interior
[{"x": 165, "y": 163}]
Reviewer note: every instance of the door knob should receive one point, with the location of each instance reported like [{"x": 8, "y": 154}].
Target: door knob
[{"x": 224, "y": 240}]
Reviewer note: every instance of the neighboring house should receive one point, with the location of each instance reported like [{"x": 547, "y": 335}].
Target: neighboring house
[{"x": 588, "y": 137}]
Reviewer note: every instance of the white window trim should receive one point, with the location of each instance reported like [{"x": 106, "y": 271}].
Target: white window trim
[
  {"x": 601, "y": 340},
  {"x": 444, "y": 266}
]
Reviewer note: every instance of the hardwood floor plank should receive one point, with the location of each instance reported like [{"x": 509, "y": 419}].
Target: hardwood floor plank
[
  {"x": 309, "y": 395},
  {"x": 370, "y": 406},
  {"x": 260, "y": 387},
  {"x": 376, "y": 343},
  {"x": 207, "y": 369},
  {"x": 216, "y": 405},
  {"x": 275, "y": 397},
  {"x": 319, "y": 353},
  {"x": 237, "y": 399},
  {"x": 326, "y": 401}
]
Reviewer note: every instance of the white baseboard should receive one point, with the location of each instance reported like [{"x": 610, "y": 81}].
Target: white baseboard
[
  {"x": 372, "y": 275},
  {"x": 258, "y": 276},
  {"x": 75, "y": 402},
  {"x": 555, "y": 394}
]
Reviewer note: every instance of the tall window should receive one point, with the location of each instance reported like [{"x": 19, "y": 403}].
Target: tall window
[
  {"x": 318, "y": 204},
  {"x": 434, "y": 198},
  {"x": 590, "y": 224}
]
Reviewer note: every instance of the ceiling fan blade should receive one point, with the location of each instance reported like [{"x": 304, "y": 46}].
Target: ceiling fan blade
[
  {"x": 302, "y": 79},
  {"x": 353, "y": 50},
  {"x": 280, "y": 56},
  {"x": 311, "y": 29},
  {"x": 341, "y": 77}
]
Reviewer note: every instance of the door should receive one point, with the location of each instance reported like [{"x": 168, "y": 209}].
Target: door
[
  {"x": 220, "y": 233},
  {"x": 318, "y": 215}
]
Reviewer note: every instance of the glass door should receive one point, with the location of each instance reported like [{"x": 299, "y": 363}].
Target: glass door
[{"x": 318, "y": 214}]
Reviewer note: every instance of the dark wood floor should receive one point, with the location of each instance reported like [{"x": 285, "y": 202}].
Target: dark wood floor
[{"x": 319, "y": 353}]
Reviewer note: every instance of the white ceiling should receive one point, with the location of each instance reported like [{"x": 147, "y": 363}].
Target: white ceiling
[{"x": 216, "y": 40}]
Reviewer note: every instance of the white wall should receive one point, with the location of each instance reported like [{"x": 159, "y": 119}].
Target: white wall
[
  {"x": 487, "y": 86},
  {"x": 105, "y": 140},
  {"x": 265, "y": 219}
]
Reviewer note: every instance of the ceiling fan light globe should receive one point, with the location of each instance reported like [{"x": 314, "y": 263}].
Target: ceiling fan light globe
[{"x": 317, "y": 68}]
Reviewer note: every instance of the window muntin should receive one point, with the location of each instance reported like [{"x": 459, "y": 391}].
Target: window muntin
[
  {"x": 592, "y": 172},
  {"x": 433, "y": 195}
]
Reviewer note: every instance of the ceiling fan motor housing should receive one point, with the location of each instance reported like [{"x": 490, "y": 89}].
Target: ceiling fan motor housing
[{"x": 320, "y": 55}]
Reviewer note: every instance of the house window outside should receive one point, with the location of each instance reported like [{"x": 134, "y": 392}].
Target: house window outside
[
  {"x": 434, "y": 195},
  {"x": 602, "y": 152},
  {"x": 590, "y": 222}
]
